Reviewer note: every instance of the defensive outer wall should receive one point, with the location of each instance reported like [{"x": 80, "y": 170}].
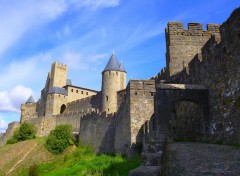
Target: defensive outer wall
[{"x": 198, "y": 93}]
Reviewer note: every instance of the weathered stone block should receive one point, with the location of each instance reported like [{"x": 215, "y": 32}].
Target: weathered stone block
[
  {"x": 146, "y": 171},
  {"x": 152, "y": 159}
]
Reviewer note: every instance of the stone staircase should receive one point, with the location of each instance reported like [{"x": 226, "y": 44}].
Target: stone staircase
[{"x": 153, "y": 158}]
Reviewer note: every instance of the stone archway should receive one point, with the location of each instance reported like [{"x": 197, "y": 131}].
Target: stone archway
[
  {"x": 63, "y": 108},
  {"x": 168, "y": 96},
  {"x": 188, "y": 120}
]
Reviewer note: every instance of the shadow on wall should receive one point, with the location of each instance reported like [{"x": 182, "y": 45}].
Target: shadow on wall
[{"x": 182, "y": 113}]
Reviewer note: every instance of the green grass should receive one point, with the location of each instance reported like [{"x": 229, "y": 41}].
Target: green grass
[
  {"x": 84, "y": 162},
  {"x": 75, "y": 161}
]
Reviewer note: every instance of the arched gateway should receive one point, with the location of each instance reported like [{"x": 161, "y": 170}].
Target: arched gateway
[{"x": 182, "y": 111}]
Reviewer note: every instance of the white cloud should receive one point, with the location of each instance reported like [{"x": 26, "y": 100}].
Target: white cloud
[
  {"x": 17, "y": 17},
  {"x": 11, "y": 100},
  {"x": 22, "y": 17},
  {"x": 3, "y": 125}
]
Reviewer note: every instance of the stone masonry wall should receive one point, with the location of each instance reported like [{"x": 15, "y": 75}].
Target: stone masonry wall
[
  {"x": 141, "y": 106},
  {"x": 88, "y": 103},
  {"x": 9, "y": 132},
  {"x": 98, "y": 131},
  {"x": 219, "y": 70},
  {"x": 182, "y": 45},
  {"x": 45, "y": 124},
  {"x": 28, "y": 111},
  {"x": 122, "y": 142},
  {"x": 75, "y": 93}
]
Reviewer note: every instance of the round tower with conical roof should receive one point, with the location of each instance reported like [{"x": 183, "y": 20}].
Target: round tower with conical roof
[{"x": 113, "y": 80}]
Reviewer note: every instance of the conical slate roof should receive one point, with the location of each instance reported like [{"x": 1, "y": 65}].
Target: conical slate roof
[
  {"x": 121, "y": 67},
  {"x": 113, "y": 64},
  {"x": 30, "y": 100}
]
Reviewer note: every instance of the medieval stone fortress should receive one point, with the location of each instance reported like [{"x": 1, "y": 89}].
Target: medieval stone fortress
[{"x": 195, "y": 97}]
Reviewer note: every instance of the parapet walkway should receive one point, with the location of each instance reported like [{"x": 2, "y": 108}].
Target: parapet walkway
[{"x": 197, "y": 159}]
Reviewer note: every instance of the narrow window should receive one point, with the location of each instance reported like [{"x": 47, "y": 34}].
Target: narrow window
[
  {"x": 81, "y": 92},
  {"x": 152, "y": 93},
  {"x": 117, "y": 73},
  {"x": 58, "y": 95},
  {"x": 86, "y": 93},
  {"x": 135, "y": 93},
  {"x": 63, "y": 108},
  {"x": 106, "y": 98},
  {"x": 72, "y": 90},
  {"x": 76, "y": 91},
  {"x": 108, "y": 109}
]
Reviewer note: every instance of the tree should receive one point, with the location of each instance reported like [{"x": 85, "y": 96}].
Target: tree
[{"x": 60, "y": 138}]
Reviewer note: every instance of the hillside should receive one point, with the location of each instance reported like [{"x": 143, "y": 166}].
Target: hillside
[
  {"x": 19, "y": 157},
  {"x": 16, "y": 159}
]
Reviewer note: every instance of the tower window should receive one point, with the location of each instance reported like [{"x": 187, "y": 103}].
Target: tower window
[
  {"x": 106, "y": 98},
  {"x": 135, "y": 93},
  {"x": 152, "y": 94},
  {"x": 76, "y": 91},
  {"x": 86, "y": 93},
  {"x": 81, "y": 92},
  {"x": 117, "y": 73},
  {"x": 72, "y": 90},
  {"x": 108, "y": 109}
]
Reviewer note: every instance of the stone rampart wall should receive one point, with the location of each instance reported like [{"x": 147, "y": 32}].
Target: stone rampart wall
[
  {"x": 141, "y": 106},
  {"x": 219, "y": 70},
  {"x": 85, "y": 104},
  {"x": 9, "y": 132},
  {"x": 97, "y": 130}
]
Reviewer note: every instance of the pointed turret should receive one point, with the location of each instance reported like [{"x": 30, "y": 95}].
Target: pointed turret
[
  {"x": 30, "y": 100},
  {"x": 112, "y": 64},
  {"x": 121, "y": 67},
  {"x": 113, "y": 80}
]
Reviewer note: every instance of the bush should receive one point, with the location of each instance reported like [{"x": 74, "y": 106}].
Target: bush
[
  {"x": 59, "y": 139},
  {"x": 24, "y": 132}
]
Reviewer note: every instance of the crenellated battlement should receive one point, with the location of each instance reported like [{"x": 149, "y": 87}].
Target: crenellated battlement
[
  {"x": 60, "y": 65},
  {"x": 194, "y": 29}
]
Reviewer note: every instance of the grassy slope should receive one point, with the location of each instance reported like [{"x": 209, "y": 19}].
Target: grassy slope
[
  {"x": 12, "y": 154},
  {"x": 75, "y": 161}
]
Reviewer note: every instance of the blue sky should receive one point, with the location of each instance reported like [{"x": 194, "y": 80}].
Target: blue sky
[{"x": 82, "y": 34}]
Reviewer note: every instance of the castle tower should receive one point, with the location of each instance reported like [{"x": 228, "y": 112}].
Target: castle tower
[
  {"x": 56, "y": 94},
  {"x": 58, "y": 75},
  {"x": 113, "y": 80},
  {"x": 183, "y": 44},
  {"x": 28, "y": 110}
]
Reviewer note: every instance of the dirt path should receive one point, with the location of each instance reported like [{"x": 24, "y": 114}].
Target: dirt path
[
  {"x": 22, "y": 159},
  {"x": 196, "y": 159}
]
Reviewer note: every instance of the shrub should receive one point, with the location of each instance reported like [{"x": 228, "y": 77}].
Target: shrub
[
  {"x": 59, "y": 139},
  {"x": 24, "y": 132}
]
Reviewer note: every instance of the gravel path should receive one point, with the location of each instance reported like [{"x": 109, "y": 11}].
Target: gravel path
[{"x": 197, "y": 159}]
